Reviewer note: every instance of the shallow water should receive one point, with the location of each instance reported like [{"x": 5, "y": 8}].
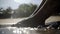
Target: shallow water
[{"x": 14, "y": 30}]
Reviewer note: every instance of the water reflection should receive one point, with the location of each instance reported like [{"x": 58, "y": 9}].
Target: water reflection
[{"x": 28, "y": 30}]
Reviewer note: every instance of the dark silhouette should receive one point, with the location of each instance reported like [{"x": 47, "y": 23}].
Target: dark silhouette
[{"x": 51, "y": 7}]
